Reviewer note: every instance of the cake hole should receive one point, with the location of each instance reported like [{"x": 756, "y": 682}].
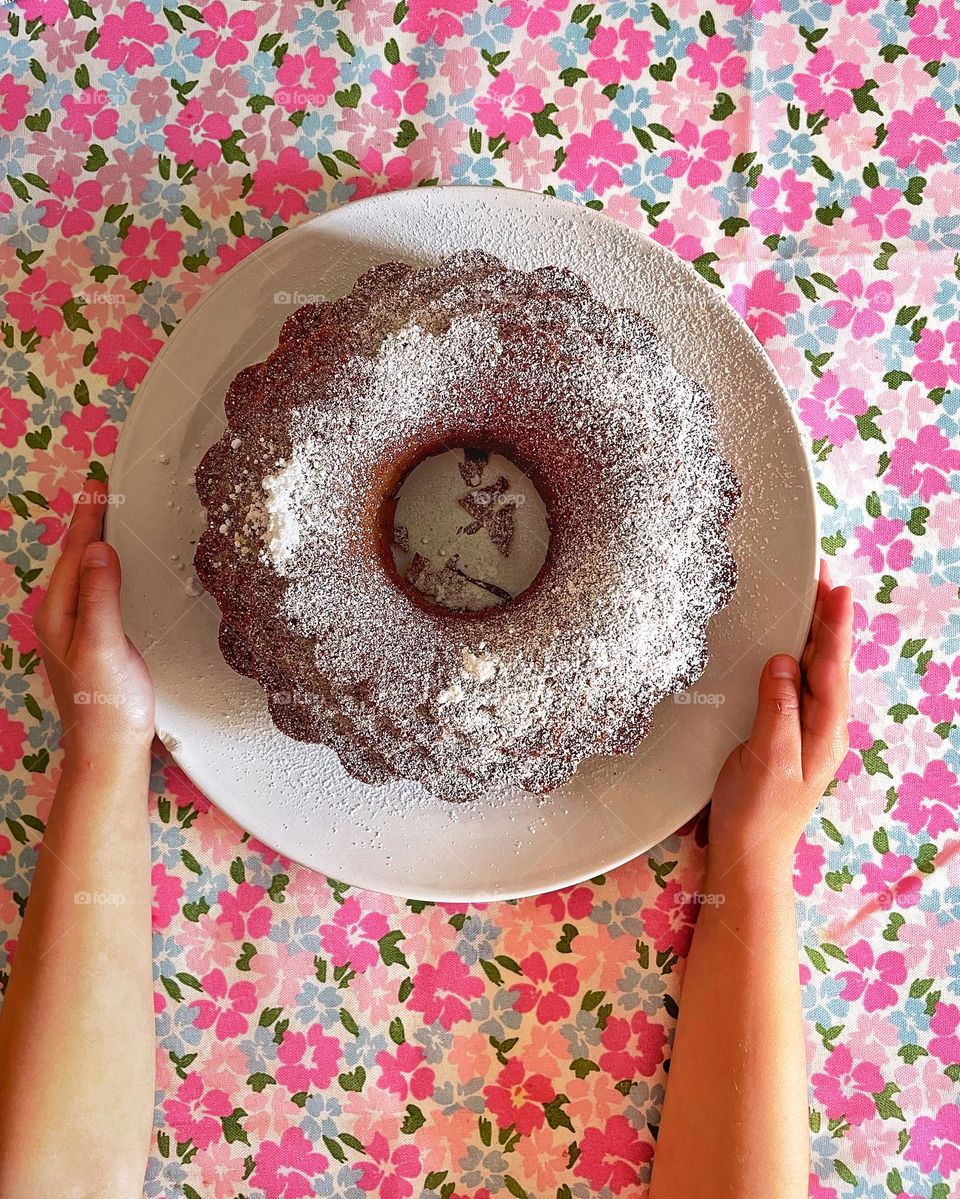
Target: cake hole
[{"x": 469, "y": 530}]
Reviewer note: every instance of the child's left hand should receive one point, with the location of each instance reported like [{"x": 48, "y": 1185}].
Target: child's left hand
[{"x": 100, "y": 682}]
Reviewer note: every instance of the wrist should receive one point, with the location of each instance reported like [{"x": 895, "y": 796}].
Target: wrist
[
  {"x": 106, "y": 759},
  {"x": 762, "y": 864}
]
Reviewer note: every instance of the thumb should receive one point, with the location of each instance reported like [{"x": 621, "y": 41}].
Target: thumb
[
  {"x": 775, "y": 738},
  {"x": 99, "y": 624}
]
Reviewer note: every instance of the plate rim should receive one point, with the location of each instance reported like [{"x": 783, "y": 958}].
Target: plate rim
[{"x": 498, "y": 195}]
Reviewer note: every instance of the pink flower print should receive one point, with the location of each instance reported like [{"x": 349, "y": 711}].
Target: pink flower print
[
  {"x": 12, "y": 736},
  {"x": 931, "y": 369},
  {"x": 321, "y": 1066},
  {"x": 669, "y": 923},
  {"x": 286, "y": 1170},
  {"x": 226, "y": 1009},
  {"x": 197, "y": 135},
  {"x": 594, "y": 159},
  {"x": 778, "y": 204},
  {"x": 861, "y": 308},
  {"x": 13, "y": 420},
  {"x": 437, "y": 19},
  {"x": 808, "y": 862},
  {"x": 389, "y": 1173},
  {"x": 150, "y": 250},
  {"x": 226, "y": 36},
  {"x": 875, "y": 980},
  {"x": 945, "y": 1044},
  {"x": 546, "y": 993},
  {"x": 941, "y": 688},
  {"x": 714, "y": 64},
  {"x": 846, "y": 1091},
  {"x": 935, "y": 1141},
  {"x": 280, "y": 187},
  {"x": 619, "y": 53},
  {"x": 506, "y": 108},
  {"x": 817, "y": 1189},
  {"x": 440, "y": 991},
  {"x": 88, "y": 116},
  {"x": 353, "y": 936},
  {"x": 517, "y": 1098},
  {"x": 881, "y": 543},
  {"x": 612, "y": 1156},
  {"x": 928, "y": 43},
  {"x": 49, "y": 11},
  {"x": 90, "y": 431},
  {"x": 917, "y": 138},
  {"x": 125, "y": 39},
  {"x": 294, "y": 95},
  {"x": 893, "y": 880},
  {"x": 697, "y": 157},
  {"x": 929, "y": 801},
  {"x": 575, "y": 903},
  {"x": 167, "y": 891},
  {"x": 380, "y": 175},
  {"x": 37, "y": 303},
  {"x": 230, "y": 255},
  {"x": 830, "y": 410},
  {"x": 762, "y": 303},
  {"x": 405, "y": 1073},
  {"x": 881, "y": 213},
  {"x": 71, "y": 205},
  {"x": 540, "y": 18},
  {"x": 400, "y": 91},
  {"x": 242, "y": 911},
  {"x": 195, "y": 1113},
  {"x": 870, "y": 637},
  {"x": 687, "y": 246},
  {"x": 124, "y": 354},
  {"x": 633, "y": 1048},
  {"x": 14, "y": 98},
  {"x": 923, "y": 465},
  {"x": 826, "y": 85}
]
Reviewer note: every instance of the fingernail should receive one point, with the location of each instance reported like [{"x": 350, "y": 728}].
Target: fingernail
[
  {"x": 96, "y": 554},
  {"x": 783, "y": 667}
]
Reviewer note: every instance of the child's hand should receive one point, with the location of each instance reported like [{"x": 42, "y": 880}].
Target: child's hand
[
  {"x": 770, "y": 785},
  {"x": 100, "y": 683}
]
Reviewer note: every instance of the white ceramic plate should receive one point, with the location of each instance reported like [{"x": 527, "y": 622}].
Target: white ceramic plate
[{"x": 296, "y": 798}]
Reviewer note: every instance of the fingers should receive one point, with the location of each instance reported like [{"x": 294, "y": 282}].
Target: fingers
[
  {"x": 826, "y": 699},
  {"x": 56, "y": 616},
  {"x": 99, "y": 625},
  {"x": 823, "y": 587},
  {"x": 774, "y": 741}
]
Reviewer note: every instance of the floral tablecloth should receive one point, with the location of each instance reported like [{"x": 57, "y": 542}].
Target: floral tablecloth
[{"x": 318, "y": 1040}]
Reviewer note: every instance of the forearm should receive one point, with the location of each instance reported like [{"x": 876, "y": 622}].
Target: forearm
[
  {"x": 76, "y": 1028},
  {"x": 734, "y": 1123}
]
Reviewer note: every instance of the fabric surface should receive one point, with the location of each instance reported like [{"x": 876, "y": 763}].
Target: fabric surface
[{"x": 318, "y": 1040}]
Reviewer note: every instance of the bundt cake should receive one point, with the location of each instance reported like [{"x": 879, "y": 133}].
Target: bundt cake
[{"x": 319, "y": 596}]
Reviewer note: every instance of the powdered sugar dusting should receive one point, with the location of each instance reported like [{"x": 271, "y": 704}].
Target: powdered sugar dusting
[{"x": 638, "y": 564}]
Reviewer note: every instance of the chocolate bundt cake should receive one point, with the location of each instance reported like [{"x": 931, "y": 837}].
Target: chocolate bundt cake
[{"x": 300, "y": 492}]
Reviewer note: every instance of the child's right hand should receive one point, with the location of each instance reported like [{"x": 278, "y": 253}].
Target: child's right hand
[
  {"x": 770, "y": 785},
  {"x": 100, "y": 682}
]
